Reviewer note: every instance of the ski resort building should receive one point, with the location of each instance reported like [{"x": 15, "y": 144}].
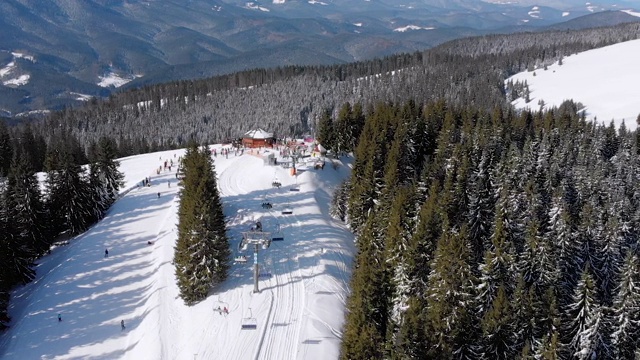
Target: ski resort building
[{"x": 258, "y": 138}]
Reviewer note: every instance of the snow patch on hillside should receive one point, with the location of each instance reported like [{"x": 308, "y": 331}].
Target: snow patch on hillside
[
  {"x": 604, "y": 80},
  {"x": 20, "y": 80},
  {"x": 113, "y": 79},
  {"x": 81, "y": 97},
  {"x": 315, "y": 2},
  {"x": 631, "y": 12},
  {"x": 23, "y": 56},
  {"x": 10, "y": 74},
  {"x": 254, "y": 6},
  {"x": 566, "y": 13},
  {"x": 534, "y": 12},
  {"x": 412, "y": 27}
]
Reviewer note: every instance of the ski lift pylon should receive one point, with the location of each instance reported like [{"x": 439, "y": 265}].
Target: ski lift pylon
[{"x": 249, "y": 323}]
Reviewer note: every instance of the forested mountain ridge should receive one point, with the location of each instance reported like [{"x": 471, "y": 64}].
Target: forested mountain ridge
[
  {"x": 66, "y": 51},
  {"x": 290, "y": 100}
]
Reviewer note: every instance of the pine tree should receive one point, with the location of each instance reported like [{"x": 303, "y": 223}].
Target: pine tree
[
  {"x": 368, "y": 303},
  {"x": 401, "y": 223},
  {"x": 106, "y": 168},
  {"x": 339, "y": 201},
  {"x": 626, "y": 309},
  {"x": 451, "y": 295},
  {"x": 6, "y": 276},
  {"x": 497, "y": 329},
  {"x": 326, "y": 131},
  {"x": 6, "y": 151},
  {"x": 69, "y": 203},
  {"x": 585, "y": 315},
  {"x": 25, "y": 215},
  {"x": 202, "y": 251},
  {"x": 481, "y": 207},
  {"x": 498, "y": 267}
]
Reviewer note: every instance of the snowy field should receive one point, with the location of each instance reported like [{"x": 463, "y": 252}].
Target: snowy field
[
  {"x": 604, "y": 80},
  {"x": 304, "y": 284}
]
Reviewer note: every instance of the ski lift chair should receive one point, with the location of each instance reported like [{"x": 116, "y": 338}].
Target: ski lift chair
[
  {"x": 249, "y": 323},
  {"x": 278, "y": 235},
  {"x": 286, "y": 210},
  {"x": 240, "y": 259},
  {"x": 276, "y": 183}
]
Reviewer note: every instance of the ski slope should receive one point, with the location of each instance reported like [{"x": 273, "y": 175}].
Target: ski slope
[
  {"x": 298, "y": 313},
  {"x": 604, "y": 80}
]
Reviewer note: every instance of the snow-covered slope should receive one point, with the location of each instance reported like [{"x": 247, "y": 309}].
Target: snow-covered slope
[
  {"x": 299, "y": 311},
  {"x": 604, "y": 80}
]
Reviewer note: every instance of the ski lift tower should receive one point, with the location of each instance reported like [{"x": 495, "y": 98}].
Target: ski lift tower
[
  {"x": 295, "y": 157},
  {"x": 259, "y": 240}
]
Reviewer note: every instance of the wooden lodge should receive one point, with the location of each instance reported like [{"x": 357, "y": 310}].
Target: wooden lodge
[{"x": 258, "y": 138}]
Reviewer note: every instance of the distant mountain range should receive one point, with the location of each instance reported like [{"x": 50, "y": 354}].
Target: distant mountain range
[{"x": 57, "y": 53}]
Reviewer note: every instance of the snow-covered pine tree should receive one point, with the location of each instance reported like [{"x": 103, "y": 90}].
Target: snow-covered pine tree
[
  {"x": 339, "y": 201},
  {"x": 68, "y": 196},
  {"x": 6, "y": 278},
  {"x": 563, "y": 242},
  {"x": 202, "y": 252},
  {"x": 106, "y": 167},
  {"x": 626, "y": 309},
  {"x": 368, "y": 304},
  {"x": 498, "y": 336},
  {"x": 585, "y": 315},
  {"x": 481, "y": 206},
  {"x": 499, "y": 265},
  {"x": 451, "y": 294},
  {"x": 398, "y": 237}
]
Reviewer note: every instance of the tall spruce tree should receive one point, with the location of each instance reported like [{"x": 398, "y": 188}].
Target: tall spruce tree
[
  {"x": 105, "y": 167},
  {"x": 202, "y": 251},
  {"x": 68, "y": 201},
  {"x": 451, "y": 299},
  {"x": 6, "y": 151},
  {"x": 626, "y": 309}
]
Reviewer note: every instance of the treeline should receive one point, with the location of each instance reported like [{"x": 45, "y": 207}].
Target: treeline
[
  {"x": 34, "y": 216},
  {"x": 492, "y": 235},
  {"x": 290, "y": 100},
  {"x": 202, "y": 251}
]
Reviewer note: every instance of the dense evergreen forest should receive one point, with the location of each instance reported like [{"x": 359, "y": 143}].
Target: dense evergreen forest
[
  {"x": 33, "y": 218},
  {"x": 290, "y": 100},
  {"x": 491, "y": 235}
]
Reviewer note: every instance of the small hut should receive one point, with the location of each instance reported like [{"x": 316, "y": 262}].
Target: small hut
[{"x": 257, "y": 138}]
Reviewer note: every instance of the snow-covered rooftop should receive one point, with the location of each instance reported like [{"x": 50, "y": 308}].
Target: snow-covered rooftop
[{"x": 258, "y": 134}]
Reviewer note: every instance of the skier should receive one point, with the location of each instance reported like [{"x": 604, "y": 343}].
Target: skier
[
  {"x": 158, "y": 195},
  {"x": 121, "y": 325},
  {"x": 168, "y": 183},
  {"x": 226, "y": 311},
  {"x": 59, "y": 317},
  {"x": 106, "y": 252}
]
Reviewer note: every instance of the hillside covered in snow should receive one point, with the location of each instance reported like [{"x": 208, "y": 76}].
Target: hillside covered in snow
[{"x": 303, "y": 282}]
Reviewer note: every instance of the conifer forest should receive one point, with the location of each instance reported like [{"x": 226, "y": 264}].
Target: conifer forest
[{"x": 482, "y": 232}]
